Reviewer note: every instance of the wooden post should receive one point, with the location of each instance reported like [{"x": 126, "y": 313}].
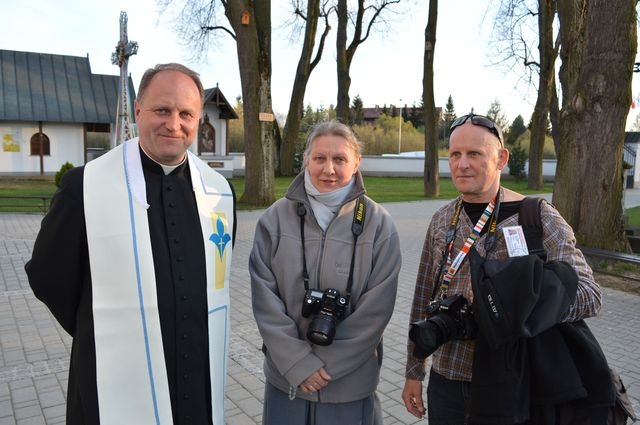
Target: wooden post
[{"x": 41, "y": 147}]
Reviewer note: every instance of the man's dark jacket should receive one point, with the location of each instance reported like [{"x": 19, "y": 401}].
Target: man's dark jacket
[
  {"x": 60, "y": 276},
  {"x": 528, "y": 367}
]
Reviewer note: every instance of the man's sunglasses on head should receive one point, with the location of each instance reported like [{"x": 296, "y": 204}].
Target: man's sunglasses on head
[{"x": 480, "y": 120}]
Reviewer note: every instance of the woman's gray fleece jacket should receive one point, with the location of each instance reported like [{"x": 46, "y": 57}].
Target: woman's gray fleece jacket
[{"x": 277, "y": 290}]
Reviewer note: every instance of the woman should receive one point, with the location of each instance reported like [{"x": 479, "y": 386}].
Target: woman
[{"x": 324, "y": 272}]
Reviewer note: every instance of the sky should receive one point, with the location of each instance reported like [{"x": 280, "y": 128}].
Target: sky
[{"x": 387, "y": 68}]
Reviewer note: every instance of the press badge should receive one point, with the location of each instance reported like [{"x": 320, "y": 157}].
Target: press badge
[{"x": 516, "y": 243}]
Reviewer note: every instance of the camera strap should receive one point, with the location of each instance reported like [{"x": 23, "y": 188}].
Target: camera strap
[
  {"x": 302, "y": 211},
  {"x": 357, "y": 226},
  {"x": 453, "y": 264}
]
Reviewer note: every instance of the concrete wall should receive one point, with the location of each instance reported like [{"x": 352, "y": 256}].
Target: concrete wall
[
  {"x": 395, "y": 166},
  {"x": 65, "y": 145},
  {"x": 374, "y": 165}
]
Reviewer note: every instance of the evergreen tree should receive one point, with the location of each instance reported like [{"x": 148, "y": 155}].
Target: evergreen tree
[
  {"x": 416, "y": 116},
  {"x": 517, "y": 162},
  {"x": 449, "y": 116},
  {"x": 449, "y": 111},
  {"x": 405, "y": 113},
  {"x": 357, "y": 114},
  {"x": 517, "y": 128}
]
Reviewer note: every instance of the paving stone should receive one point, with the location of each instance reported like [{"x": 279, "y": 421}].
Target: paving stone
[{"x": 34, "y": 349}]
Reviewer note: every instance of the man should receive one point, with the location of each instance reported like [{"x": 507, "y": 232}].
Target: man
[
  {"x": 133, "y": 261},
  {"x": 476, "y": 158}
]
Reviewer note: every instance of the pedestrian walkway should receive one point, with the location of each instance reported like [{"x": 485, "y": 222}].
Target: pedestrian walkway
[{"x": 34, "y": 350}]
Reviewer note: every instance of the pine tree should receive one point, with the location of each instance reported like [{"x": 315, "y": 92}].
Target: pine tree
[
  {"x": 449, "y": 117},
  {"x": 357, "y": 115},
  {"x": 517, "y": 128}
]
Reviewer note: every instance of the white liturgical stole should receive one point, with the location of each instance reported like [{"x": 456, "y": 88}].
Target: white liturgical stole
[{"x": 130, "y": 365}]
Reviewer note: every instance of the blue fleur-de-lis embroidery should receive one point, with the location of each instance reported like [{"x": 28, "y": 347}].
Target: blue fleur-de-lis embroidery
[{"x": 220, "y": 239}]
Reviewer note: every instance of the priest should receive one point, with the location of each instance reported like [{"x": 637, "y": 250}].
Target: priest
[{"x": 133, "y": 260}]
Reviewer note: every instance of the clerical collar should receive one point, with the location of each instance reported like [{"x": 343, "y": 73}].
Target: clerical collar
[{"x": 166, "y": 169}]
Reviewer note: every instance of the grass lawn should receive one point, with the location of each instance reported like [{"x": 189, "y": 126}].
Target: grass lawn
[
  {"x": 397, "y": 189},
  {"x": 633, "y": 217},
  {"x": 28, "y": 193},
  {"x": 381, "y": 189}
]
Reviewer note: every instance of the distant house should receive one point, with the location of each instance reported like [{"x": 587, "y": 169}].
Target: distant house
[
  {"x": 371, "y": 115},
  {"x": 52, "y": 108}
]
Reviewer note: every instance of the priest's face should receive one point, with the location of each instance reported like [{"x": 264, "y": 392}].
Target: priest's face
[{"x": 167, "y": 116}]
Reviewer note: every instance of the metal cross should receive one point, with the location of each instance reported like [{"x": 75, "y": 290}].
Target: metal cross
[{"x": 124, "y": 49}]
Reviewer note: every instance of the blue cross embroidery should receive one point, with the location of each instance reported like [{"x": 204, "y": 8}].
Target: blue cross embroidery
[{"x": 220, "y": 239}]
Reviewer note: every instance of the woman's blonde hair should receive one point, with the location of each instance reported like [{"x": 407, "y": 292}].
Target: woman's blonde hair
[{"x": 333, "y": 128}]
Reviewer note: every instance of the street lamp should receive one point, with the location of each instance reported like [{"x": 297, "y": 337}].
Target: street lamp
[{"x": 400, "y": 128}]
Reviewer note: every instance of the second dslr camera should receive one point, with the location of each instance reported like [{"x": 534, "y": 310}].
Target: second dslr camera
[
  {"x": 450, "y": 318},
  {"x": 329, "y": 308}
]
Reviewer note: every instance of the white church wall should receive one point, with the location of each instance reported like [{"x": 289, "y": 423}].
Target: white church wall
[{"x": 65, "y": 145}]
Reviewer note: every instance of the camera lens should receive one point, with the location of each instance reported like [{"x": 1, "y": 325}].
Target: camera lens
[
  {"x": 428, "y": 335},
  {"x": 322, "y": 329}
]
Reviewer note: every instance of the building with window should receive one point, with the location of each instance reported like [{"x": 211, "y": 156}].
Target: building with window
[{"x": 53, "y": 110}]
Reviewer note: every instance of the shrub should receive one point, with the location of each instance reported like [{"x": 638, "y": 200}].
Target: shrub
[{"x": 65, "y": 167}]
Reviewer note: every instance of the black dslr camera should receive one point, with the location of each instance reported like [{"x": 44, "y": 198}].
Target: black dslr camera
[
  {"x": 450, "y": 318},
  {"x": 329, "y": 308}
]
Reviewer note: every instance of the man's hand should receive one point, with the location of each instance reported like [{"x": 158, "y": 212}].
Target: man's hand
[
  {"x": 412, "y": 397},
  {"x": 317, "y": 381}
]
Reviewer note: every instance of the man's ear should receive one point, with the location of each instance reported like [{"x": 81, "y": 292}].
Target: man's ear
[
  {"x": 503, "y": 156},
  {"x": 136, "y": 109}
]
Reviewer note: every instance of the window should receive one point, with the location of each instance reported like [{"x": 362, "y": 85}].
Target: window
[{"x": 35, "y": 144}]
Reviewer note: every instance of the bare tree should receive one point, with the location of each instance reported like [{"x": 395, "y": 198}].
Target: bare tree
[
  {"x": 306, "y": 65},
  {"x": 253, "y": 42},
  {"x": 250, "y": 27},
  {"x": 361, "y": 31},
  {"x": 596, "y": 72},
  {"x": 498, "y": 116},
  {"x": 431, "y": 171},
  {"x": 515, "y": 34},
  {"x": 546, "y": 87}
]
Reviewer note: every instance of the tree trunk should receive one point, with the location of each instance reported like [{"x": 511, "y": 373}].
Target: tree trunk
[
  {"x": 342, "y": 62},
  {"x": 554, "y": 116},
  {"x": 546, "y": 12},
  {"x": 303, "y": 72},
  {"x": 598, "y": 51},
  {"x": 253, "y": 41},
  {"x": 345, "y": 54},
  {"x": 431, "y": 172}
]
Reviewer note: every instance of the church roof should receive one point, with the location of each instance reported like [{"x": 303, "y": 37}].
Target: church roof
[
  {"x": 215, "y": 96},
  {"x": 55, "y": 88}
]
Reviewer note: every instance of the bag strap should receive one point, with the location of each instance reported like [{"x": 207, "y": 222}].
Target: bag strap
[{"x": 529, "y": 219}]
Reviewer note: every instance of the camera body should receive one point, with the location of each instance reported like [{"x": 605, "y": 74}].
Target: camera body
[
  {"x": 449, "y": 318},
  {"x": 329, "y": 308}
]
